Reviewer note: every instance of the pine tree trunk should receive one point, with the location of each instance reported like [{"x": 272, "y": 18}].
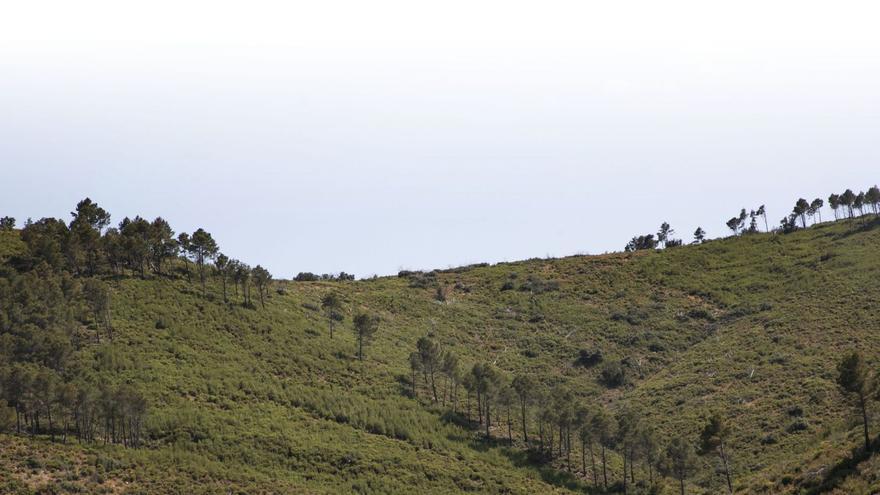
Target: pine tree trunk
[
  {"x": 568, "y": 448},
  {"x": 49, "y": 417},
  {"x": 584, "y": 458},
  {"x": 632, "y": 468},
  {"x": 488, "y": 420},
  {"x": 864, "y": 405},
  {"x": 593, "y": 467},
  {"x": 726, "y": 469},
  {"x": 604, "y": 469},
  {"x": 509, "y": 427}
]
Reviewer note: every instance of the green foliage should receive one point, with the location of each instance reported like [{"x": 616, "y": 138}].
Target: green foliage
[{"x": 247, "y": 400}]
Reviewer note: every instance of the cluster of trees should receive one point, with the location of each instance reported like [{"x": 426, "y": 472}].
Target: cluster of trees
[
  {"x": 554, "y": 423},
  {"x": 845, "y": 205},
  {"x": 738, "y": 223},
  {"x": 364, "y": 325},
  {"x": 853, "y": 204},
  {"x": 55, "y": 301},
  {"x": 88, "y": 246},
  {"x": 43, "y": 390},
  {"x": 7, "y": 224},
  {"x": 327, "y": 277},
  {"x": 38, "y": 400},
  {"x": 663, "y": 239}
]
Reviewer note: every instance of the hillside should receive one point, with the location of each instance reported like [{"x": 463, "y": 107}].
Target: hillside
[{"x": 251, "y": 399}]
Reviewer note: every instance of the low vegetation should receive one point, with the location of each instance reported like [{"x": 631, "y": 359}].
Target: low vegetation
[{"x": 135, "y": 360}]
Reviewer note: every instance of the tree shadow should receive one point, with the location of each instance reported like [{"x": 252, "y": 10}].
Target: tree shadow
[
  {"x": 863, "y": 225},
  {"x": 538, "y": 462},
  {"x": 842, "y": 470},
  {"x": 404, "y": 386},
  {"x": 457, "y": 419}
]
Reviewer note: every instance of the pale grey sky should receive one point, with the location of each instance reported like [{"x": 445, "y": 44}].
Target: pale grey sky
[{"x": 374, "y": 136}]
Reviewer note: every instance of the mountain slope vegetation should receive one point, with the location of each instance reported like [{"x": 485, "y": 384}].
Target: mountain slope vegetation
[{"x": 244, "y": 397}]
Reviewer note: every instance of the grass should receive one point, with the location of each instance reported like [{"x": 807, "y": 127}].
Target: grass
[{"x": 263, "y": 401}]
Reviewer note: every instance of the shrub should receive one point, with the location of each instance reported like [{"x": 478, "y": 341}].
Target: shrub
[
  {"x": 588, "y": 359},
  {"x": 613, "y": 374},
  {"x": 797, "y": 426},
  {"x": 419, "y": 280},
  {"x": 537, "y": 286}
]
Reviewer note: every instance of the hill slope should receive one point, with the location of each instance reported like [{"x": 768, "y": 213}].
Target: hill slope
[{"x": 263, "y": 400}]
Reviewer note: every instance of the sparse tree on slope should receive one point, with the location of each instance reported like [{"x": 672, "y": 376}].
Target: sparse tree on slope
[
  {"x": 202, "y": 247},
  {"x": 847, "y": 199},
  {"x": 506, "y": 399},
  {"x": 753, "y": 222},
  {"x": 184, "y": 244},
  {"x": 648, "y": 449},
  {"x": 859, "y": 203},
  {"x": 453, "y": 374},
  {"x": 664, "y": 233},
  {"x": 852, "y": 377},
  {"x": 603, "y": 428},
  {"x": 628, "y": 425},
  {"x": 332, "y": 306},
  {"x": 800, "y": 210},
  {"x": 524, "y": 385},
  {"x": 834, "y": 203},
  {"x": 365, "y": 326},
  {"x": 262, "y": 278},
  {"x": 816, "y": 208},
  {"x": 222, "y": 263},
  {"x": 429, "y": 353},
  {"x": 587, "y": 437},
  {"x": 741, "y": 220},
  {"x": 733, "y": 225},
  {"x": 872, "y": 197},
  {"x": 681, "y": 462},
  {"x": 699, "y": 235},
  {"x": 714, "y": 438},
  {"x": 763, "y": 213},
  {"x": 488, "y": 384}
]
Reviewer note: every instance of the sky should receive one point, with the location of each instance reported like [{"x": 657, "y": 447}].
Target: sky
[{"x": 376, "y": 136}]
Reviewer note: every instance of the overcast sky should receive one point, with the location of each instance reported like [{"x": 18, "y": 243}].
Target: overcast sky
[{"x": 374, "y": 136}]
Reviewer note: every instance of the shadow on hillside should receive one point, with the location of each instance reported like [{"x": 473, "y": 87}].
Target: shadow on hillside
[
  {"x": 863, "y": 225},
  {"x": 404, "y": 386},
  {"x": 456, "y": 418},
  {"x": 536, "y": 461},
  {"x": 842, "y": 470},
  {"x": 533, "y": 459}
]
